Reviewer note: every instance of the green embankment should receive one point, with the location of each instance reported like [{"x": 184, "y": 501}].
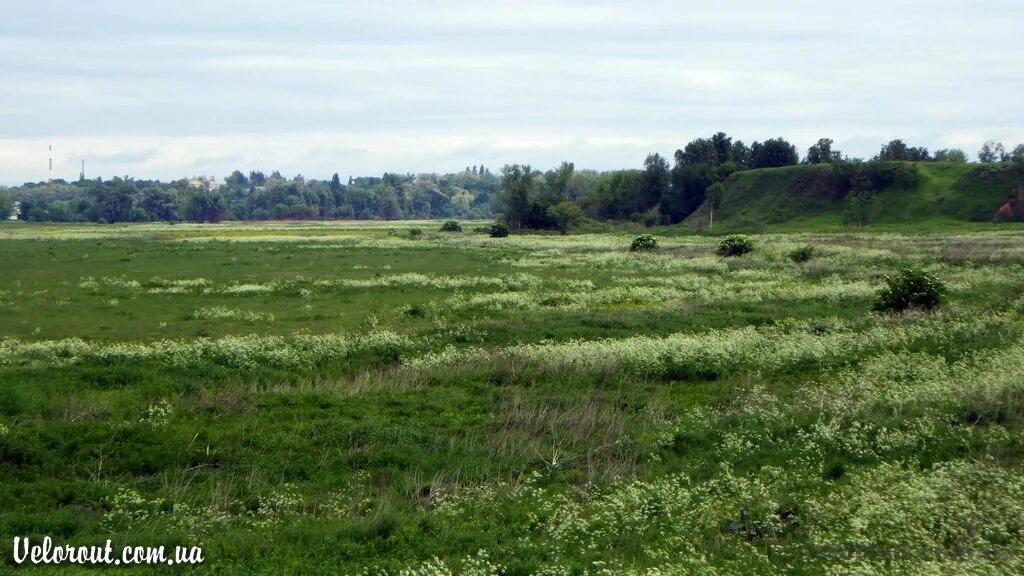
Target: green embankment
[{"x": 815, "y": 197}]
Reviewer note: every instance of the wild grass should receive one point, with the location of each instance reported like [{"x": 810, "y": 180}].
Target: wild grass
[{"x": 323, "y": 399}]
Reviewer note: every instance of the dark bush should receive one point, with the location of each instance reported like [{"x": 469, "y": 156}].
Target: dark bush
[
  {"x": 734, "y": 245},
  {"x": 910, "y": 288},
  {"x": 877, "y": 175},
  {"x": 498, "y": 230},
  {"x": 644, "y": 243},
  {"x": 802, "y": 254},
  {"x": 451, "y": 226},
  {"x": 415, "y": 233}
]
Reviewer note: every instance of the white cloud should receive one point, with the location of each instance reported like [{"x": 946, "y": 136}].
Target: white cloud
[{"x": 409, "y": 86}]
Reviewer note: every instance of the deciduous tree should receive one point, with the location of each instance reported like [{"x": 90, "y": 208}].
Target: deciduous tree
[
  {"x": 655, "y": 181},
  {"x": 992, "y": 151},
  {"x": 822, "y": 153},
  {"x": 774, "y": 153}
]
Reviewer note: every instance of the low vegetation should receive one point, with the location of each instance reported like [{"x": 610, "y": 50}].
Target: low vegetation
[
  {"x": 734, "y": 245},
  {"x": 802, "y": 254},
  {"x": 644, "y": 243},
  {"x": 498, "y": 230},
  {"x": 911, "y": 288},
  {"x": 347, "y": 399}
]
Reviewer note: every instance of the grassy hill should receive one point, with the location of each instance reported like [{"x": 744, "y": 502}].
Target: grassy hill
[{"x": 812, "y": 197}]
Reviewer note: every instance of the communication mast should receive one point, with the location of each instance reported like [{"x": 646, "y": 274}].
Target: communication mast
[{"x": 51, "y": 164}]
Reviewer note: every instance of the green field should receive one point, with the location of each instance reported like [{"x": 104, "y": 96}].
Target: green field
[{"x": 352, "y": 398}]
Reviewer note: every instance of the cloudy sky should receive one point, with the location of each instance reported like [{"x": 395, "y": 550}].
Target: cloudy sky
[{"x": 182, "y": 88}]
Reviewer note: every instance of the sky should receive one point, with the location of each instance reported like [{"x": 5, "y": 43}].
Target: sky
[{"x": 185, "y": 88}]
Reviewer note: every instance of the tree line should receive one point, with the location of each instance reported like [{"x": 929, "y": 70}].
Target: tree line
[
  {"x": 256, "y": 196},
  {"x": 659, "y": 192}
]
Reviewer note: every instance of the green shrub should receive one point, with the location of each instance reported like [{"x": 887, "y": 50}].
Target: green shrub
[
  {"x": 498, "y": 230},
  {"x": 910, "y": 288},
  {"x": 414, "y": 311},
  {"x": 415, "y": 233},
  {"x": 451, "y": 226},
  {"x": 644, "y": 243},
  {"x": 802, "y": 254},
  {"x": 857, "y": 207},
  {"x": 734, "y": 245}
]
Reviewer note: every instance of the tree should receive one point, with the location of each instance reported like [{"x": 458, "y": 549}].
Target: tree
[
  {"x": 722, "y": 145},
  {"x": 116, "y": 200},
  {"x": 915, "y": 154},
  {"x": 954, "y": 155},
  {"x": 60, "y": 211},
  {"x": 516, "y": 189},
  {"x": 714, "y": 194},
  {"x": 578, "y": 185},
  {"x": 655, "y": 181},
  {"x": 688, "y": 186},
  {"x": 897, "y": 150},
  {"x": 161, "y": 203},
  {"x": 992, "y": 151},
  {"x": 822, "y": 153},
  {"x": 741, "y": 154},
  {"x": 1018, "y": 153},
  {"x": 335, "y": 183},
  {"x": 558, "y": 181},
  {"x": 774, "y": 153},
  {"x": 237, "y": 181},
  {"x": 615, "y": 194},
  {"x": 6, "y": 205},
  {"x": 390, "y": 207},
  {"x": 699, "y": 151},
  {"x": 565, "y": 214},
  {"x": 894, "y": 150},
  {"x": 205, "y": 206},
  {"x": 714, "y": 151}
]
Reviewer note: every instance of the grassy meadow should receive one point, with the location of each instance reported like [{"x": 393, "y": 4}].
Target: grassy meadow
[
  {"x": 358, "y": 398},
  {"x": 932, "y": 196}
]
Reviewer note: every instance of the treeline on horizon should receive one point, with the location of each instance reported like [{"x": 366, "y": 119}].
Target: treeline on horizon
[{"x": 658, "y": 193}]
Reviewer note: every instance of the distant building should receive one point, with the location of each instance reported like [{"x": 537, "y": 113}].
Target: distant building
[
  {"x": 17, "y": 210},
  {"x": 204, "y": 183}
]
